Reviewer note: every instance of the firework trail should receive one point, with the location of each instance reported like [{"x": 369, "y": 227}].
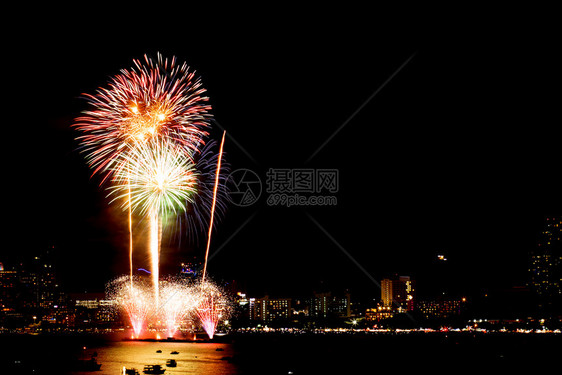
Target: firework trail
[
  {"x": 213, "y": 206},
  {"x": 155, "y": 233},
  {"x": 130, "y": 220}
]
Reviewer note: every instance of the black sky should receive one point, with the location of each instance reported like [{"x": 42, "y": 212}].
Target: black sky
[{"x": 458, "y": 153}]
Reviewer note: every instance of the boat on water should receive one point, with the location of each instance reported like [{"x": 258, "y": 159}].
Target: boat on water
[
  {"x": 130, "y": 371},
  {"x": 153, "y": 369},
  {"x": 175, "y": 352},
  {"x": 171, "y": 363},
  {"x": 159, "y": 351}
]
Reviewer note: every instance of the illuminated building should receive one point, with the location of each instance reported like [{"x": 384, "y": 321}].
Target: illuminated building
[
  {"x": 398, "y": 293},
  {"x": 324, "y": 305},
  {"x": 241, "y": 299},
  {"x": 93, "y": 309},
  {"x": 545, "y": 269},
  {"x": 38, "y": 282},
  {"x": 30, "y": 288},
  {"x": 440, "y": 308},
  {"x": 379, "y": 313},
  {"x": 386, "y": 292},
  {"x": 8, "y": 290},
  {"x": 268, "y": 310},
  {"x": 300, "y": 309},
  {"x": 242, "y": 305},
  {"x": 87, "y": 300}
]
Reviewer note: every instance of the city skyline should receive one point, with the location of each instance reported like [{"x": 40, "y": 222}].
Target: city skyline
[{"x": 32, "y": 290}]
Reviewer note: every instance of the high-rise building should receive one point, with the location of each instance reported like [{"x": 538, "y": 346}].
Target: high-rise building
[
  {"x": 399, "y": 293},
  {"x": 545, "y": 270},
  {"x": 386, "y": 292},
  {"x": 8, "y": 290},
  {"x": 270, "y": 309},
  {"x": 324, "y": 305},
  {"x": 38, "y": 281},
  {"x": 30, "y": 288}
]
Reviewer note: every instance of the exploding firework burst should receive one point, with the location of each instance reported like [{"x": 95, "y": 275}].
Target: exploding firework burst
[
  {"x": 154, "y": 99},
  {"x": 155, "y": 176}
]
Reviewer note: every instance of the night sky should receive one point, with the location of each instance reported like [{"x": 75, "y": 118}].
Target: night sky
[{"x": 451, "y": 144}]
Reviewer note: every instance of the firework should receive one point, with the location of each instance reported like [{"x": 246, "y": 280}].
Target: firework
[
  {"x": 179, "y": 301},
  {"x": 156, "y": 176},
  {"x": 134, "y": 299},
  {"x": 154, "y": 99},
  {"x": 212, "y": 306},
  {"x": 146, "y": 136}
]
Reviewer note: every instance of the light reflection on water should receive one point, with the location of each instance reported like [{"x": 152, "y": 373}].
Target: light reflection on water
[
  {"x": 272, "y": 354},
  {"x": 193, "y": 358}
]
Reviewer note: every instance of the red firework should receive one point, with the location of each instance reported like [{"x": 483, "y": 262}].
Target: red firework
[
  {"x": 153, "y": 99},
  {"x": 211, "y": 307}
]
